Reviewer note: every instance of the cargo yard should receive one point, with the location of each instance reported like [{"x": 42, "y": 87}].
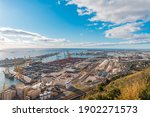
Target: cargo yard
[{"x": 71, "y": 77}]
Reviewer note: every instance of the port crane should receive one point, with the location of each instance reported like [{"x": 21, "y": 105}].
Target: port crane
[{"x": 17, "y": 69}]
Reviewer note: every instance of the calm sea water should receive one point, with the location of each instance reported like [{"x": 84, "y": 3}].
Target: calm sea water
[
  {"x": 6, "y": 81},
  {"x": 19, "y": 53}
]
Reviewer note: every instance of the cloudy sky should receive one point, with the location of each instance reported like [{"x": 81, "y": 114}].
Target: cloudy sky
[{"x": 75, "y": 23}]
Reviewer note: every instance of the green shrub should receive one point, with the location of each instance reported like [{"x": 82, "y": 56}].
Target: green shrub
[
  {"x": 114, "y": 93},
  {"x": 145, "y": 94},
  {"x": 101, "y": 87}
]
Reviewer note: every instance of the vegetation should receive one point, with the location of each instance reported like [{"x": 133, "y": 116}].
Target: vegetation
[
  {"x": 145, "y": 94},
  {"x": 131, "y": 87},
  {"x": 101, "y": 87}
]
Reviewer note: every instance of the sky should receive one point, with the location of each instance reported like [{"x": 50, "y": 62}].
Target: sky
[{"x": 75, "y": 24}]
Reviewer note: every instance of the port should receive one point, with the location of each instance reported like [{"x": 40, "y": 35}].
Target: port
[{"x": 74, "y": 50}]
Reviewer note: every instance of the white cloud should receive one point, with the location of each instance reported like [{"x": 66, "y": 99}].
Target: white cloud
[
  {"x": 115, "y": 11},
  {"x": 84, "y": 12},
  {"x": 124, "y": 31},
  {"x": 92, "y": 24},
  {"x": 123, "y": 18},
  {"x": 127, "y": 31},
  {"x": 131, "y": 42},
  {"x": 18, "y": 35},
  {"x": 58, "y": 2}
]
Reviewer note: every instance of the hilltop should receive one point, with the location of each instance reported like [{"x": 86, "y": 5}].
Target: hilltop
[{"x": 131, "y": 87}]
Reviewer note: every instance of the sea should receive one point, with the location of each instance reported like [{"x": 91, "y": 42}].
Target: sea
[{"x": 20, "y": 53}]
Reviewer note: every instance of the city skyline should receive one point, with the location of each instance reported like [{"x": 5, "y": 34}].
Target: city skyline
[{"x": 74, "y": 24}]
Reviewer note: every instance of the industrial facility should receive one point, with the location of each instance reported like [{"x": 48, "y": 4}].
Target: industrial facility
[{"x": 69, "y": 77}]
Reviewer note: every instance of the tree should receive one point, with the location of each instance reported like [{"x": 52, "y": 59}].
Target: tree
[
  {"x": 145, "y": 94},
  {"x": 114, "y": 93},
  {"x": 101, "y": 87}
]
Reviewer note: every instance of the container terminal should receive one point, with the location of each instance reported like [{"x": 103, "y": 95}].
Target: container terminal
[{"x": 69, "y": 78}]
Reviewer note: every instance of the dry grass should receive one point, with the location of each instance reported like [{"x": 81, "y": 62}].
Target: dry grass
[
  {"x": 132, "y": 91},
  {"x": 79, "y": 86},
  {"x": 130, "y": 86}
]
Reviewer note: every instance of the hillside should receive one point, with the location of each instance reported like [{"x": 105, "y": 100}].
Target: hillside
[{"x": 131, "y": 87}]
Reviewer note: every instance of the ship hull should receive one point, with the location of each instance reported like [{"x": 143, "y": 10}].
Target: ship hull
[{"x": 9, "y": 76}]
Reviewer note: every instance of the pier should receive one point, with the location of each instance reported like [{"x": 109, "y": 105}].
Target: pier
[{"x": 20, "y": 77}]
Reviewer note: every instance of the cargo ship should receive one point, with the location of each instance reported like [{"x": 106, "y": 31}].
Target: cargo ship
[{"x": 8, "y": 75}]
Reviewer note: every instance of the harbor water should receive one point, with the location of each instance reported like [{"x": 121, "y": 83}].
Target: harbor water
[
  {"x": 7, "y": 82},
  {"x": 20, "y": 53}
]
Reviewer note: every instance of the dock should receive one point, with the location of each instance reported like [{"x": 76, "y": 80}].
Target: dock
[{"x": 22, "y": 78}]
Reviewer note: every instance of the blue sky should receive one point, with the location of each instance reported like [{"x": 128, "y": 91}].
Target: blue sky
[{"x": 74, "y": 23}]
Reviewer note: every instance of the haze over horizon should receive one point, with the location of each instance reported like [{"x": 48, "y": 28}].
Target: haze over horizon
[{"x": 75, "y": 24}]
